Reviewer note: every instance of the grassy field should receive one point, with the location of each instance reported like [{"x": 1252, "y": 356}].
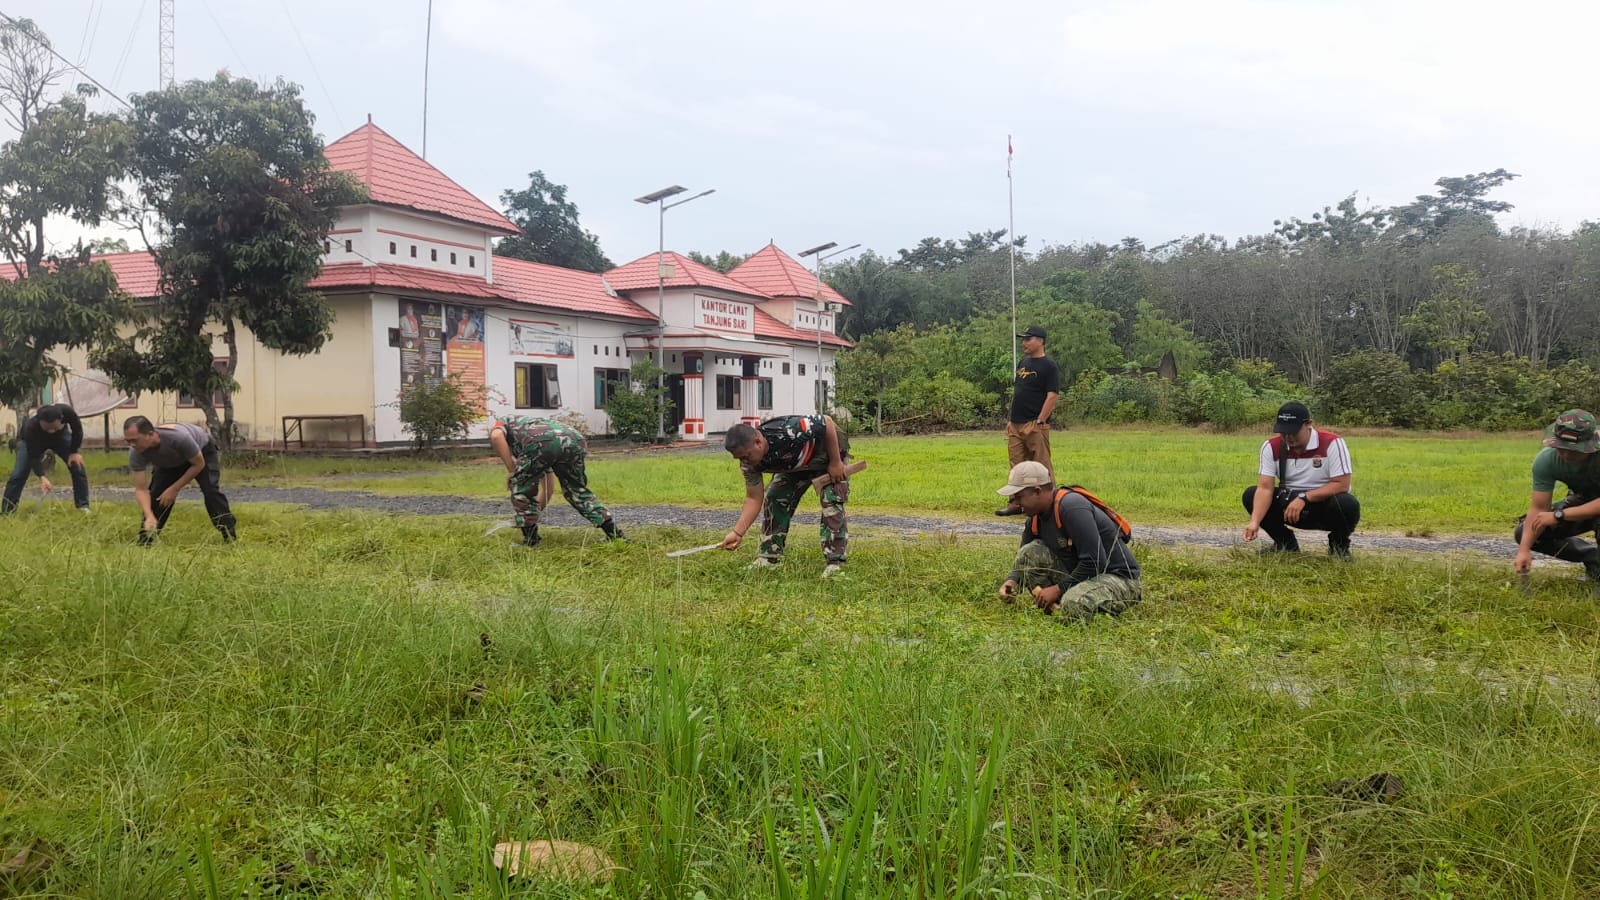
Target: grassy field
[
  {"x": 353, "y": 705},
  {"x": 1414, "y": 483}
]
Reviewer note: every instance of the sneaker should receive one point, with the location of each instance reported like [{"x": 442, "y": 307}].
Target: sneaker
[
  {"x": 1279, "y": 548},
  {"x": 1339, "y": 548},
  {"x": 1009, "y": 511},
  {"x": 832, "y": 569},
  {"x": 84, "y": 510},
  {"x": 763, "y": 563}
]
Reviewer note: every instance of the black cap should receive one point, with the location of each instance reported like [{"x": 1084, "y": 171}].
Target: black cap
[
  {"x": 1292, "y": 416},
  {"x": 1033, "y": 331}
]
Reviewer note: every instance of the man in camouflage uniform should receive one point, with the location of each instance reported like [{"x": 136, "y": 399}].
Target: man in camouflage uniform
[
  {"x": 795, "y": 450},
  {"x": 1073, "y": 555},
  {"x": 531, "y": 449}
]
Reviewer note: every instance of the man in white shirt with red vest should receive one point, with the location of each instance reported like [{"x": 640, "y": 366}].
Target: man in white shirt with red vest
[{"x": 1305, "y": 483}]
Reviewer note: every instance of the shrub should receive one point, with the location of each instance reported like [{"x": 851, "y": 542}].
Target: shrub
[
  {"x": 937, "y": 403},
  {"x": 635, "y": 408},
  {"x": 1368, "y": 387},
  {"x": 440, "y": 411},
  {"x": 1129, "y": 398}
]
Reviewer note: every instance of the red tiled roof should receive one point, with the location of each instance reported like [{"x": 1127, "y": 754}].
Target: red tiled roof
[
  {"x": 136, "y": 273},
  {"x": 348, "y": 275},
  {"x": 397, "y": 177},
  {"x": 772, "y": 329},
  {"x": 777, "y": 274},
  {"x": 641, "y": 274},
  {"x": 537, "y": 283}
]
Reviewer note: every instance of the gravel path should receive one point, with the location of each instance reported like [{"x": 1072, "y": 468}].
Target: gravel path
[{"x": 560, "y": 515}]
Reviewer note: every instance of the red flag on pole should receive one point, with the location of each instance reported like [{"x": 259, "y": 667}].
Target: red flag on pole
[{"x": 1009, "y": 154}]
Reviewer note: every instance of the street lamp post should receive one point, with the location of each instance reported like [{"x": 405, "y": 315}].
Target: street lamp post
[
  {"x": 821, "y": 256},
  {"x": 659, "y": 198}
]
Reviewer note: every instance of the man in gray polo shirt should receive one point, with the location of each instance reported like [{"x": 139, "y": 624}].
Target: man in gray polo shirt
[{"x": 163, "y": 460}]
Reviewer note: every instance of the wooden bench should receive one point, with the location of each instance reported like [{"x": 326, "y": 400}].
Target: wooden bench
[{"x": 296, "y": 425}]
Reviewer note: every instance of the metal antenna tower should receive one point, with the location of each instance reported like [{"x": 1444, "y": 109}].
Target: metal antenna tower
[{"x": 168, "y": 42}]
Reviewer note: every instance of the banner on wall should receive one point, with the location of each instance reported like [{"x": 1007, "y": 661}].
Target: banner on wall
[
  {"x": 532, "y": 338},
  {"x": 421, "y": 344},
  {"x": 463, "y": 350}
]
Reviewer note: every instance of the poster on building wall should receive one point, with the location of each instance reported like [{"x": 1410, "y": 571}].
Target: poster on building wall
[
  {"x": 530, "y": 338},
  {"x": 463, "y": 350},
  {"x": 421, "y": 344}
]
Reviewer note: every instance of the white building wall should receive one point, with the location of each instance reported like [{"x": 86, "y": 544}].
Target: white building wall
[{"x": 440, "y": 246}]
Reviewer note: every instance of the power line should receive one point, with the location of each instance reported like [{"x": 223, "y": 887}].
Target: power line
[
  {"x": 67, "y": 62},
  {"x": 127, "y": 46},
  {"x": 338, "y": 119}
]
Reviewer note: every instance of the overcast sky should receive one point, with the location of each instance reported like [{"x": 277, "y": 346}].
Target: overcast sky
[{"x": 884, "y": 121}]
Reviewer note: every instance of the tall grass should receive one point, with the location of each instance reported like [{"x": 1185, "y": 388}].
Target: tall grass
[{"x": 355, "y": 705}]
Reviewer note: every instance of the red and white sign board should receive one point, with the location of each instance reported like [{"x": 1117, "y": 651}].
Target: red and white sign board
[{"x": 712, "y": 314}]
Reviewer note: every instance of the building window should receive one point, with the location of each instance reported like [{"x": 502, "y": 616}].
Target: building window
[
  {"x": 349, "y": 247},
  {"x": 802, "y": 368},
  {"x": 785, "y": 368},
  {"x": 327, "y": 246},
  {"x": 727, "y": 392},
  {"x": 764, "y": 394},
  {"x": 537, "y": 387},
  {"x": 472, "y": 262},
  {"x": 220, "y": 366},
  {"x": 433, "y": 255},
  {"x": 452, "y": 259},
  {"x": 413, "y": 251},
  {"x": 606, "y": 383},
  {"x": 393, "y": 251}
]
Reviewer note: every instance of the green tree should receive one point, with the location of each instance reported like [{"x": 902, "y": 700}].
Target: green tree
[
  {"x": 1154, "y": 335},
  {"x": 723, "y": 262},
  {"x": 242, "y": 199},
  {"x": 1451, "y": 323},
  {"x": 65, "y": 163},
  {"x": 550, "y": 230}
]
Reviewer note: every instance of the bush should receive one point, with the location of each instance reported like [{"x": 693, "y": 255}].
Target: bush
[
  {"x": 635, "y": 408},
  {"x": 1368, "y": 387},
  {"x": 440, "y": 411},
  {"x": 935, "y": 404},
  {"x": 1129, "y": 398}
]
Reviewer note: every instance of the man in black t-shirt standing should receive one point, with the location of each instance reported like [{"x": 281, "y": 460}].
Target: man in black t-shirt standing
[
  {"x": 1033, "y": 399},
  {"x": 795, "y": 450}
]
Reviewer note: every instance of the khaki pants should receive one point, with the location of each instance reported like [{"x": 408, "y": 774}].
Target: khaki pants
[{"x": 1029, "y": 441}]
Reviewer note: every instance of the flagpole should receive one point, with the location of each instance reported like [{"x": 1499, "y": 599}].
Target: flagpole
[{"x": 1011, "y": 231}]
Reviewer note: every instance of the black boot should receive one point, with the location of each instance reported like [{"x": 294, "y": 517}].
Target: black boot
[
  {"x": 530, "y": 536},
  {"x": 1339, "y": 546},
  {"x": 613, "y": 533}
]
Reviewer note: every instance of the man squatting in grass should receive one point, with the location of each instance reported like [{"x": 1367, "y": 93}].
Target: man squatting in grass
[
  {"x": 1568, "y": 457},
  {"x": 178, "y": 454},
  {"x": 55, "y": 427},
  {"x": 1073, "y": 555},
  {"x": 795, "y": 449},
  {"x": 1310, "y": 470},
  {"x": 532, "y": 449},
  {"x": 1033, "y": 399}
]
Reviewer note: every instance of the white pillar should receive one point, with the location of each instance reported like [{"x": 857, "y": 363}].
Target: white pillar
[{"x": 693, "y": 426}]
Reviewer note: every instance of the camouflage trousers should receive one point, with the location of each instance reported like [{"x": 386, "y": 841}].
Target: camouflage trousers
[
  {"x": 567, "y": 463},
  {"x": 783, "y": 495},
  {"x": 1109, "y": 595}
]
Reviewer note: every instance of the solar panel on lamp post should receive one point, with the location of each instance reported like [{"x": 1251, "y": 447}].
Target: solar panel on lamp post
[
  {"x": 817, "y": 251},
  {"x": 659, "y": 198}
]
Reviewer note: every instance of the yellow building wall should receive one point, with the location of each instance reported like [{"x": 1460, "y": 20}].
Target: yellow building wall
[{"x": 334, "y": 381}]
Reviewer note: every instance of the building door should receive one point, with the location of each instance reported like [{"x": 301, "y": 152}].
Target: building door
[{"x": 675, "y": 393}]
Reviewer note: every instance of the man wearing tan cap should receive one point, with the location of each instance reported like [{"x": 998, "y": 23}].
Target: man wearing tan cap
[{"x": 1074, "y": 555}]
